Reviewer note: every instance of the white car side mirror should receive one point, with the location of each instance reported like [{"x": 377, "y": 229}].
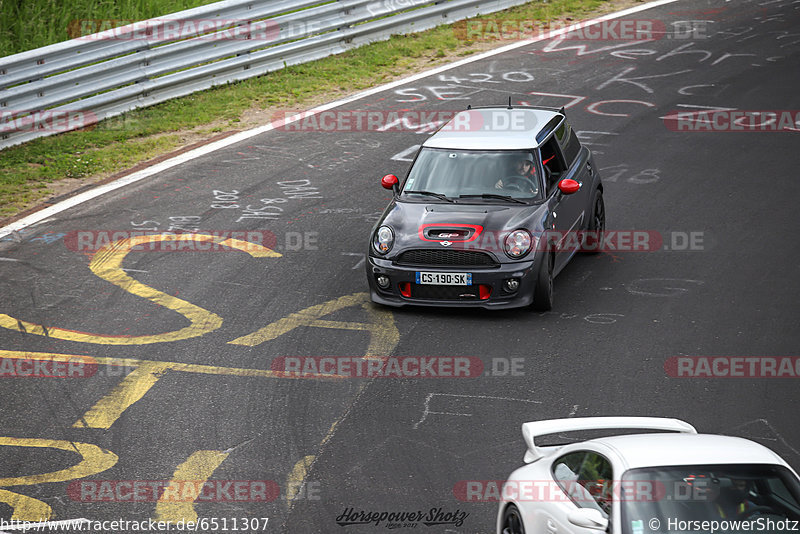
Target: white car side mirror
[{"x": 588, "y": 518}]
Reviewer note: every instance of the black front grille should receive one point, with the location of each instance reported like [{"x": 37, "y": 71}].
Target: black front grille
[
  {"x": 444, "y": 292},
  {"x": 450, "y": 258}
]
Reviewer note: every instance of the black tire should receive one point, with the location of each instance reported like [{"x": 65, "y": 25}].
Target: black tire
[
  {"x": 512, "y": 521},
  {"x": 595, "y": 234},
  {"x": 543, "y": 294}
]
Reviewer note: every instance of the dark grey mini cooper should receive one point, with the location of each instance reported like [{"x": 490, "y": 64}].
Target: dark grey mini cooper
[{"x": 495, "y": 204}]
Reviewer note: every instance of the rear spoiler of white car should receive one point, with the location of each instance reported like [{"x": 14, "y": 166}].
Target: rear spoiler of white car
[{"x": 536, "y": 429}]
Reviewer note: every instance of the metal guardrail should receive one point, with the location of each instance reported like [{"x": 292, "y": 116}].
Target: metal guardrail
[{"x": 74, "y": 84}]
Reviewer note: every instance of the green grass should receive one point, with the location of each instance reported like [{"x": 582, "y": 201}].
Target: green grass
[
  {"x": 121, "y": 142},
  {"x": 28, "y": 24}
]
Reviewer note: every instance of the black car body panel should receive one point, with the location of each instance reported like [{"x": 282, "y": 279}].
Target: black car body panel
[{"x": 465, "y": 236}]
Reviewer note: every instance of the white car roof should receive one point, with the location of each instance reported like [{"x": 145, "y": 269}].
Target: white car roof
[
  {"x": 657, "y": 449},
  {"x": 493, "y": 129}
]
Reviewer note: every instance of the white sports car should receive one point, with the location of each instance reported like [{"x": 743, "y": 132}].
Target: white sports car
[{"x": 670, "y": 480}]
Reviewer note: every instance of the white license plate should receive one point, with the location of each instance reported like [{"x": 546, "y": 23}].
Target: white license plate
[{"x": 444, "y": 279}]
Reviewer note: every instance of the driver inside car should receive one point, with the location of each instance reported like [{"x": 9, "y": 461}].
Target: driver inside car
[
  {"x": 733, "y": 501},
  {"x": 522, "y": 177}
]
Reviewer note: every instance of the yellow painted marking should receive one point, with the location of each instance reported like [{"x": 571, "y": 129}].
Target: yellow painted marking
[
  {"x": 144, "y": 376},
  {"x": 132, "y": 388},
  {"x": 329, "y": 435},
  {"x": 171, "y": 366},
  {"x": 383, "y": 332},
  {"x": 339, "y": 325},
  {"x": 93, "y": 460},
  {"x": 301, "y": 318},
  {"x": 26, "y": 508},
  {"x": 297, "y": 477},
  {"x": 384, "y": 337},
  {"x": 197, "y": 468},
  {"x": 107, "y": 264}
]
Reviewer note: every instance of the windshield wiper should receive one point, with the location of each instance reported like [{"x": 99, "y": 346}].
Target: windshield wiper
[
  {"x": 430, "y": 193},
  {"x": 491, "y": 195}
]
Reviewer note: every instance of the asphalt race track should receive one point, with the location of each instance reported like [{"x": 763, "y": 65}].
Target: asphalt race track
[{"x": 723, "y": 282}]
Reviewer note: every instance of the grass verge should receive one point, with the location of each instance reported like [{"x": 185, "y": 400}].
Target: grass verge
[
  {"x": 57, "y": 164},
  {"x": 29, "y": 24}
]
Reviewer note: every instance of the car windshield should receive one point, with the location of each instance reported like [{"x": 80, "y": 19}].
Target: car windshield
[
  {"x": 738, "y": 498},
  {"x": 474, "y": 175}
]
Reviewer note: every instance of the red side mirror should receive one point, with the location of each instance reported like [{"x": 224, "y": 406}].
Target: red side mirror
[
  {"x": 389, "y": 181},
  {"x": 568, "y": 186}
]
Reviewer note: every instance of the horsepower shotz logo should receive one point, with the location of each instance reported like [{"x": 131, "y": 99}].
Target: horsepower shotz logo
[{"x": 402, "y": 519}]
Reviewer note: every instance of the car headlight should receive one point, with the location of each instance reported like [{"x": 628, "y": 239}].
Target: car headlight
[
  {"x": 517, "y": 244},
  {"x": 383, "y": 240}
]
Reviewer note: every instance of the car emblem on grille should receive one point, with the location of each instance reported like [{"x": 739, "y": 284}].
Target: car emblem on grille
[
  {"x": 445, "y": 235},
  {"x": 445, "y": 243}
]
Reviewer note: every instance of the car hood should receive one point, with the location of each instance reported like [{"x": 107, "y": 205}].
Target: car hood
[{"x": 429, "y": 224}]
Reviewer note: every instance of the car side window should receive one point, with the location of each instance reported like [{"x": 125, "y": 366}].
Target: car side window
[
  {"x": 597, "y": 478},
  {"x": 586, "y": 477},
  {"x": 566, "y": 468},
  {"x": 569, "y": 143},
  {"x": 565, "y": 472},
  {"x": 553, "y": 161}
]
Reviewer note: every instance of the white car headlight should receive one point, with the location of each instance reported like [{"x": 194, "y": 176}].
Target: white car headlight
[
  {"x": 517, "y": 244},
  {"x": 383, "y": 240}
]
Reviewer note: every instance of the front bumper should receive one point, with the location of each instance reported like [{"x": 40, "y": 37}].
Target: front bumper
[{"x": 448, "y": 296}]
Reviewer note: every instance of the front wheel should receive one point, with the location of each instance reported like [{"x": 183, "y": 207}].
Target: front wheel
[
  {"x": 543, "y": 294},
  {"x": 595, "y": 234},
  {"x": 512, "y": 521}
]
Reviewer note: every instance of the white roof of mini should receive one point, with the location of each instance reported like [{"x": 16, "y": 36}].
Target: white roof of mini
[
  {"x": 492, "y": 129},
  {"x": 657, "y": 449}
]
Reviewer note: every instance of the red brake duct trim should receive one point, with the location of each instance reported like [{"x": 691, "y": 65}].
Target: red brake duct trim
[
  {"x": 484, "y": 291},
  {"x": 405, "y": 289}
]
